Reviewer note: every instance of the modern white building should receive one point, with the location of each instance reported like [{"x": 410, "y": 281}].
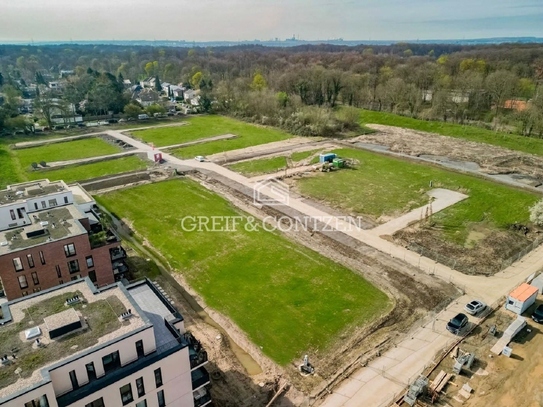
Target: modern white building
[{"x": 76, "y": 345}]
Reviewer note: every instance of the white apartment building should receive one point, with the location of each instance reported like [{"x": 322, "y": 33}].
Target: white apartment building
[{"x": 75, "y": 345}]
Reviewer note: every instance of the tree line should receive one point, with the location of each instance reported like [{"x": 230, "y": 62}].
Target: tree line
[{"x": 306, "y": 90}]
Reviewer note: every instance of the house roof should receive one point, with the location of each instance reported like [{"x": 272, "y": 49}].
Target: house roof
[
  {"x": 523, "y": 292},
  {"x": 518, "y": 105}
]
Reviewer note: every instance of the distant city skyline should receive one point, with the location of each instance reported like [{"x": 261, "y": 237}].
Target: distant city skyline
[{"x": 238, "y": 20}]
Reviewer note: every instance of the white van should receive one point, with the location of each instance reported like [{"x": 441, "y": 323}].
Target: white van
[{"x": 143, "y": 116}]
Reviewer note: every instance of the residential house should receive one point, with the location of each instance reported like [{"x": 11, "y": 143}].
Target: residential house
[
  {"x": 51, "y": 233},
  {"x": 76, "y": 345}
]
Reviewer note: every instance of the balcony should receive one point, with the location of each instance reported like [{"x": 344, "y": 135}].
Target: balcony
[
  {"x": 197, "y": 354},
  {"x": 201, "y": 397},
  {"x": 103, "y": 238},
  {"x": 200, "y": 377},
  {"x": 117, "y": 253}
]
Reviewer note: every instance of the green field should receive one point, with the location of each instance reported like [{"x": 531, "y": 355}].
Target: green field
[
  {"x": 209, "y": 126},
  {"x": 70, "y": 150},
  {"x": 383, "y": 185},
  {"x": 472, "y": 133},
  {"x": 87, "y": 171},
  {"x": 270, "y": 165},
  {"x": 287, "y": 298}
]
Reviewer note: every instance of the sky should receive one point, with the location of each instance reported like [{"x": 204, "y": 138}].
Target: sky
[{"x": 235, "y": 20}]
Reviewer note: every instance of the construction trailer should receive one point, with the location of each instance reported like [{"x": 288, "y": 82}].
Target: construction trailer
[
  {"x": 521, "y": 298},
  {"x": 327, "y": 157}
]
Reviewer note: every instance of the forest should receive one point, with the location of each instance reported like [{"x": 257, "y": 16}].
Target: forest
[{"x": 306, "y": 90}]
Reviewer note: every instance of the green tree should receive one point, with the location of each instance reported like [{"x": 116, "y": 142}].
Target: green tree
[
  {"x": 282, "y": 99},
  {"x": 155, "y": 108},
  {"x": 259, "y": 82},
  {"x": 132, "y": 110},
  {"x": 196, "y": 79}
]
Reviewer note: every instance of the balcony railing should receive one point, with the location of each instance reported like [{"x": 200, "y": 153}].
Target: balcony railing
[
  {"x": 197, "y": 354},
  {"x": 200, "y": 377},
  {"x": 117, "y": 253}
]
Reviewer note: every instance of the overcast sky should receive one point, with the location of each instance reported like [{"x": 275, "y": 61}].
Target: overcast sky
[{"x": 210, "y": 20}]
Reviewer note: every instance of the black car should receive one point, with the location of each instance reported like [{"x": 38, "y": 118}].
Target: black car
[
  {"x": 537, "y": 316},
  {"x": 456, "y": 324}
]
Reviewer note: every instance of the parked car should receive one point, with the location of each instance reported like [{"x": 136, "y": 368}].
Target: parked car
[
  {"x": 537, "y": 316},
  {"x": 456, "y": 324},
  {"x": 143, "y": 116},
  {"x": 474, "y": 307},
  {"x": 200, "y": 158}
]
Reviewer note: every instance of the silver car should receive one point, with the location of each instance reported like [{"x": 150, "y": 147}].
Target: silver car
[{"x": 474, "y": 307}]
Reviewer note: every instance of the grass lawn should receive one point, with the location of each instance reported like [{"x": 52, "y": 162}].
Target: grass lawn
[
  {"x": 287, "y": 298},
  {"x": 208, "y": 126},
  {"x": 87, "y": 171},
  {"x": 263, "y": 166},
  {"x": 388, "y": 186},
  {"x": 472, "y": 133},
  {"x": 70, "y": 150}
]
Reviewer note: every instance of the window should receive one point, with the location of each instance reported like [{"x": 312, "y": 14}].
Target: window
[
  {"x": 90, "y": 261},
  {"x": 35, "y": 278},
  {"x": 42, "y": 257},
  {"x": 12, "y": 214},
  {"x": 53, "y": 202},
  {"x": 142, "y": 403},
  {"x": 65, "y": 199},
  {"x": 111, "y": 362},
  {"x": 38, "y": 402},
  {"x": 69, "y": 249},
  {"x": 73, "y": 379},
  {"x": 30, "y": 260},
  {"x": 158, "y": 377},
  {"x": 76, "y": 277},
  {"x": 36, "y": 290},
  {"x": 140, "y": 387},
  {"x": 96, "y": 403},
  {"x": 24, "y": 293},
  {"x": 126, "y": 394},
  {"x": 43, "y": 205},
  {"x": 91, "y": 371},
  {"x": 59, "y": 273},
  {"x": 18, "y": 264},
  {"x": 35, "y": 205},
  {"x": 61, "y": 281},
  {"x": 22, "y": 282},
  {"x": 73, "y": 266},
  {"x": 92, "y": 276},
  {"x": 161, "y": 401},
  {"x": 139, "y": 349}
]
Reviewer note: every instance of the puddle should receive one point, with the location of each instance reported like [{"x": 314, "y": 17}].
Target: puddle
[{"x": 371, "y": 146}]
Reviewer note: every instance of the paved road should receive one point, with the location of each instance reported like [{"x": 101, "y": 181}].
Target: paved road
[{"x": 374, "y": 385}]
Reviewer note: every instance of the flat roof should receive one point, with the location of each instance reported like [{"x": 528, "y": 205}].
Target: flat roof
[
  {"x": 523, "y": 292},
  {"x": 48, "y": 225},
  {"x": 33, "y": 189},
  {"x": 47, "y": 309},
  {"x": 81, "y": 196}
]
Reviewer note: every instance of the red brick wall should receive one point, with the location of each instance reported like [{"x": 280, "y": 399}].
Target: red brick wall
[{"x": 54, "y": 255}]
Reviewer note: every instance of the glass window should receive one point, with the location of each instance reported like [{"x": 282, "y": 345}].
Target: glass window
[
  {"x": 73, "y": 266},
  {"x": 65, "y": 199},
  {"x": 142, "y": 403},
  {"x": 35, "y": 278},
  {"x": 38, "y": 402},
  {"x": 43, "y": 205},
  {"x": 59, "y": 273},
  {"x": 18, "y": 264},
  {"x": 96, "y": 403},
  {"x": 92, "y": 276},
  {"x": 30, "y": 260},
  {"x": 22, "y": 282},
  {"x": 42, "y": 257},
  {"x": 90, "y": 261},
  {"x": 53, "y": 202},
  {"x": 12, "y": 214},
  {"x": 69, "y": 250},
  {"x": 140, "y": 387},
  {"x": 161, "y": 400},
  {"x": 111, "y": 362},
  {"x": 126, "y": 394},
  {"x": 158, "y": 377}
]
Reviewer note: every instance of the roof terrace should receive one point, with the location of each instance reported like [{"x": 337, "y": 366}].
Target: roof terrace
[
  {"x": 71, "y": 319},
  {"x": 33, "y": 189}
]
